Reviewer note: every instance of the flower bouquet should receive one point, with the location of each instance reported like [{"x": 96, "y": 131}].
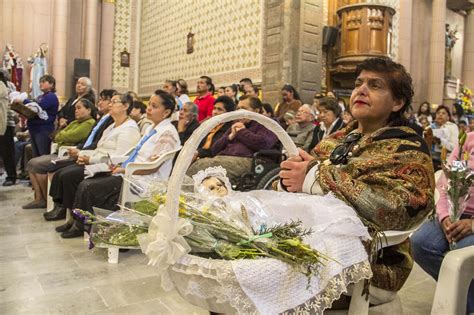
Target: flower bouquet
[
  {"x": 460, "y": 178},
  {"x": 216, "y": 232}
]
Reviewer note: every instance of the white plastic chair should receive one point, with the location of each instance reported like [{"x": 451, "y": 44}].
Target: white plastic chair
[
  {"x": 126, "y": 195},
  {"x": 359, "y": 304},
  {"x": 457, "y": 272}
]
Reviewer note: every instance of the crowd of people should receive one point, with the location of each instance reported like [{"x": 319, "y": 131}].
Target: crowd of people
[{"x": 375, "y": 153}]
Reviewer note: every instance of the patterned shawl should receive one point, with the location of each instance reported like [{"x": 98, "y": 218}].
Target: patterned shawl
[{"x": 389, "y": 181}]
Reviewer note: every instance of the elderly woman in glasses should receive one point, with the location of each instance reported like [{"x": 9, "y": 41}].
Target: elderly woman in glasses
[{"x": 377, "y": 165}]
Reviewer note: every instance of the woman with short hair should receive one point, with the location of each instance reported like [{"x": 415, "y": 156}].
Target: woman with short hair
[
  {"x": 83, "y": 89},
  {"x": 71, "y": 135},
  {"x": 329, "y": 116},
  {"x": 377, "y": 165}
]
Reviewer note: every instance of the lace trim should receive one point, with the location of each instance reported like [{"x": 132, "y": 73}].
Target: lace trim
[
  {"x": 335, "y": 287},
  {"x": 211, "y": 279},
  {"x": 215, "y": 279}
]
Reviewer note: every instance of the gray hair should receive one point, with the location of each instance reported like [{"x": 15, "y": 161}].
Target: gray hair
[
  {"x": 193, "y": 108},
  {"x": 87, "y": 81},
  {"x": 310, "y": 108}
]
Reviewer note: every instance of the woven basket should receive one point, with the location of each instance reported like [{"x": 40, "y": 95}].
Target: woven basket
[
  {"x": 201, "y": 269},
  {"x": 23, "y": 110}
]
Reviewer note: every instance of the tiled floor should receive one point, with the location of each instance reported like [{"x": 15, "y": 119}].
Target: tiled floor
[{"x": 41, "y": 273}]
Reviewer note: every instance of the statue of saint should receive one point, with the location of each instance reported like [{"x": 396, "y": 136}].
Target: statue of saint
[{"x": 450, "y": 37}]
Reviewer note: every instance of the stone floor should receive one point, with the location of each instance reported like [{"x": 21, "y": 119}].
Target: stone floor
[{"x": 40, "y": 273}]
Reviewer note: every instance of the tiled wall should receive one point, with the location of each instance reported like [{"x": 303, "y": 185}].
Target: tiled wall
[
  {"x": 227, "y": 47},
  {"x": 122, "y": 28}
]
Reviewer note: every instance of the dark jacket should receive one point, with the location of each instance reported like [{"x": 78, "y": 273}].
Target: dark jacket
[
  {"x": 49, "y": 103},
  {"x": 247, "y": 141},
  {"x": 318, "y": 133},
  {"x": 184, "y": 136},
  {"x": 109, "y": 120},
  {"x": 202, "y": 153},
  {"x": 67, "y": 111}
]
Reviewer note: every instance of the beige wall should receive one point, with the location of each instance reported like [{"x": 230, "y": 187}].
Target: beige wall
[
  {"x": 28, "y": 23},
  {"x": 228, "y": 42}
]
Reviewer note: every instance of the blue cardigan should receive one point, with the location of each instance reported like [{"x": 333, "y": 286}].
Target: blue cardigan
[{"x": 49, "y": 103}]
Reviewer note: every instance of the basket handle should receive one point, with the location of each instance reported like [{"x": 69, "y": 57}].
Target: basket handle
[{"x": 187, "y": 153}]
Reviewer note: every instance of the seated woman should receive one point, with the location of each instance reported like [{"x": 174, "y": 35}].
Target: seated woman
[
  {"x": 139, "y": 115},
  {"x": 431, "y": 242},
  {"x": 160, "y": 138},
  {"x": 376, "y": 165},
  {"x": 235, "y": 149},
  {"x": 117, "y": 139},
  {"x": 187, "y": 121},
  {"x": 301, "y": 131},
  {"x": 223, "y": 104},
  {"x": 330, "y": 121},
  {"x": 73, "y": 134},
  {"x": 443, "y": 133},
  {"x": 83, "y": 89}
]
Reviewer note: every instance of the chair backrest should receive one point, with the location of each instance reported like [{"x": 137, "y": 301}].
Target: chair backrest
[{"x": 126, "y": 195}]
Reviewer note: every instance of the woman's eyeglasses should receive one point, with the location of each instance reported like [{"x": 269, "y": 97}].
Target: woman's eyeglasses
[{"x": 341, "y": 152}]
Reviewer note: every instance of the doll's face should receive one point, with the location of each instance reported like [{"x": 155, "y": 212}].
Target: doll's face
[{"x": 215, "y": 186}]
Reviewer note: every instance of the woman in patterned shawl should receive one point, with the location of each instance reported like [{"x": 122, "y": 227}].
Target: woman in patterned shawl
[{"x": 377, "y": 165}]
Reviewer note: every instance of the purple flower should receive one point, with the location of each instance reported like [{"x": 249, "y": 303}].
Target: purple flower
[{"x": 81, "y": 215}]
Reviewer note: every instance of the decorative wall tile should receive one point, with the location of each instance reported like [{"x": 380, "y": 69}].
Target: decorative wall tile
[{"x": 227, "y": 46}]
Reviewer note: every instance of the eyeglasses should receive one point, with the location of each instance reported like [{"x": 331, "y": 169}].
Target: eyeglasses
[
  {"x": 340, "y": 153},
  {"x": 116, "y": 102}
]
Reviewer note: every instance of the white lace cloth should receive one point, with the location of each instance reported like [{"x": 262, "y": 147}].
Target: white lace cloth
[{"x": 269, "y": 286}]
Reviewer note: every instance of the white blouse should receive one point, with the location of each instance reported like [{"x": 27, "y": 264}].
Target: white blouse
[
  {"x": 114, "y": 141},
  {"x": 164, "y": 140}
]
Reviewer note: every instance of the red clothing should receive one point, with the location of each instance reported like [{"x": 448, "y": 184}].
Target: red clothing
[{"x": 206, "y": 105}]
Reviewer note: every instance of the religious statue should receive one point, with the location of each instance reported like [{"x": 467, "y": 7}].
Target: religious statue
[
  {"x": 190, "y": 43},
  {"x": 39, "y": 67},
  {"x": 14, "y": 64},
  {"x": 125, "y": 58},
  {"x": 450, "y": 37}
]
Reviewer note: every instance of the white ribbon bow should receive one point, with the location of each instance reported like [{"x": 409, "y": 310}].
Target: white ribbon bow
[{"x": 165, "y": 244}]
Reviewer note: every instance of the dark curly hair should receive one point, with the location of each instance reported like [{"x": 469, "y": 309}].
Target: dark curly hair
[{"x": 399, "y": 81}]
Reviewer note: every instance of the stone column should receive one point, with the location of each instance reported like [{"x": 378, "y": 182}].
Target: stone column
[
  {"x": 106, "y": 45},
  {"x": 59, "y": 49},
  {"x": 292, "y": 48},
  {"x": 437, "y": 53},
  {"x": 404, "y": 33},
  {"x": 90, "y": 38},
  {"x": 468, "y": 51}
]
